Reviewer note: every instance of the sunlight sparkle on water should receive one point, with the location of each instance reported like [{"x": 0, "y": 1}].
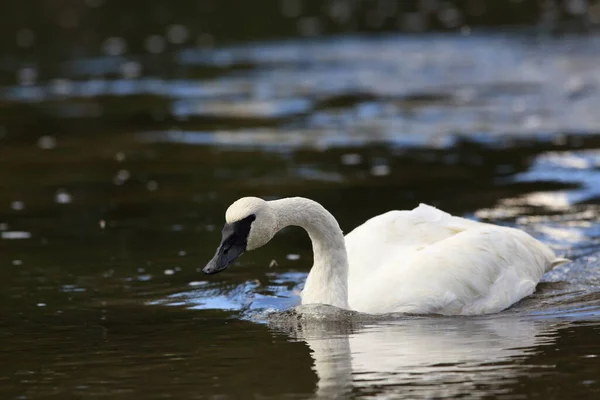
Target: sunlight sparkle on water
[
  {"x": 63, "y": 197},
  {"x": 17, "y": 205},
  {"x": 46, "y": 142},
  {"x": 15, "y": 235}
]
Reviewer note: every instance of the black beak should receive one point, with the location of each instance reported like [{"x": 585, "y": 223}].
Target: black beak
[
  {"x": 233, "y": 244},
  {"x": 226, "y": 254}
]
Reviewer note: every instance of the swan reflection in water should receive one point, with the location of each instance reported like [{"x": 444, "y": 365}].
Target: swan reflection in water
[{"x": 424, "y": 356}]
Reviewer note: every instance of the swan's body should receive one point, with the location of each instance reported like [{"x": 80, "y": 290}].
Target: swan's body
[{"x": 420, "y": 261}]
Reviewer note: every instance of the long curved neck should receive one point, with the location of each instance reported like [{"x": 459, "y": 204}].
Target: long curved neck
[{"x": 327, "y": 282}]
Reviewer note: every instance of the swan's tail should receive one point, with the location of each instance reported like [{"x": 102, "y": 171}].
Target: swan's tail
[{"x": 558, "y": 261}]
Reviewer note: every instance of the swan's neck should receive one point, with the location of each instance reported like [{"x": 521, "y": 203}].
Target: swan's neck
[{"x": 327, "y": 282}]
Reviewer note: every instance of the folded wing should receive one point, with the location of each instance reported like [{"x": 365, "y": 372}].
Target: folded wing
[{"x": 427, "y": 261}]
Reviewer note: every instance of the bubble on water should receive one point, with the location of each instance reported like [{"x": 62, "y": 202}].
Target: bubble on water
[
  {"x": 155, "y": 44},
  {"x": 41, "y": 304},
  {"x": 169, "y": 272},
  {"x": 152, "y": 186},
  {"x": 273, "y": 264},
  {"x": 351, "y": 159},
  {"x": 102, "y": 224},
  {"x": 114, "y": 46},
  {"x": 121, "y": 177},
  {"x": 197, "y": 283},
  {"x": 17, "y": 205},
  {"x": 25, "y": 38},
  {"x": 62, "y": 197},
  {"x": 120, "y": 156},
  {"x": 27, "y": 76},
  {"x": 309, "y": 26},
  {"x": 182, "y": 253},
  {"x": 17, "y": 262},
  {"x": 290, "y": 8},
  {"x": 293, "y": 257},
  {"x": 61, "y": 86},
  {"x": 131, "y": 70},
  {"x": 15, "y": 235},
  {"x": 177, "y": 34},
  {"x": 380, "y": 170}
]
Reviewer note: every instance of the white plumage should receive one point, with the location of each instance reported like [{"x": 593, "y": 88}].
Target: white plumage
[
  {"x": 419, "y": 261},
  {"x": 427, "y": 261}
]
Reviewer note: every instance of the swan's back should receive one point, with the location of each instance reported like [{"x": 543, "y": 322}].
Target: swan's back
[
  {"x": 427, "y": 261},
  {"x": 371, "y": 243}
]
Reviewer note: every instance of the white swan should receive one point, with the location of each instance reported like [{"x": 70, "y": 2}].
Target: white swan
[{"x": 420, "y": 261}]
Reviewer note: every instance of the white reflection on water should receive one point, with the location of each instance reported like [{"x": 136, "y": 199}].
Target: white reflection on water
[{"x": 422, "y": 357}]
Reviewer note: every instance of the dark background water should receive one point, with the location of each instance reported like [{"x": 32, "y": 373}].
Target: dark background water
[{"x": 127, "y": 128}]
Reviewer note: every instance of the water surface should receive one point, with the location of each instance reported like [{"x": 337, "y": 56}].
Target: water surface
[{"x": 114, "y": 186}]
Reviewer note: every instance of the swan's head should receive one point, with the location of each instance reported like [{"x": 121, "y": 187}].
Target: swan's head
[{"x": 249, "y": 224}]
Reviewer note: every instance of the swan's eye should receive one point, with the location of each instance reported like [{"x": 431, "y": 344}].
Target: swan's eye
[
  {"x": 236, "y": 235},
  {"x": 228, "y": 244}
]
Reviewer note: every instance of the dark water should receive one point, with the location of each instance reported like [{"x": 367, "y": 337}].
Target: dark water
[{"x": 114, "y": 183}]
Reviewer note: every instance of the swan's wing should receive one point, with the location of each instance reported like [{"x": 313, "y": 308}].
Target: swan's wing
[
  {"x": 421, "y": 226},
  {"x": 370, "y": 244},
  {"x": 480, "y": 270}
]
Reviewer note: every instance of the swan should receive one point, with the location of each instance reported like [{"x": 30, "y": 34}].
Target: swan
[{"x": 422, "y": 261}]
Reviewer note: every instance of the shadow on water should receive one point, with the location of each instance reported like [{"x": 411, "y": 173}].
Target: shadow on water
[{"x": 114, "y": 184}]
